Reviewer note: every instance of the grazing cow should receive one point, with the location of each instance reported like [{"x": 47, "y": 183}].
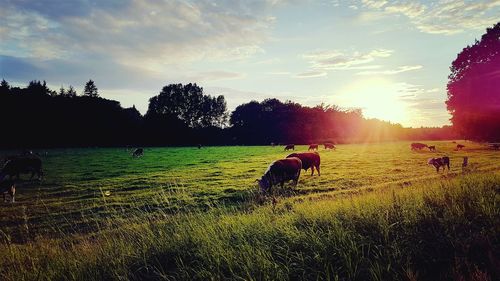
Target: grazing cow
[
  {"x": 22, "y": 164},
  {"x": 432, "y": 148},
  {"x": 460, "y": 146},
  {"x": 281, "y": 171},
  {"x": 417, "y": 145},
  {"x": 138, "y": 152},
  {"x": 8, "y": 187},
  {"x": 313, "y": 146},
  {"x": 440, "y": 162},
  {"x": 309, "y": 160},
  {"x": 329, "y": 145},
  {"x": 290, "y": 146},
  {"x": 199, "y": 146}
]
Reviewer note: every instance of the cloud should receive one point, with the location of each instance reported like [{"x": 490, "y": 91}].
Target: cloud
[
  {"x": 441, "y": 17},
  {"x": 311, "y": 74},
  {"x": 151, "y": 33},
  {"x": 216, "y": 75},
  {"x": 400, "y": 69},
  {"x": 336, "y": 59}
]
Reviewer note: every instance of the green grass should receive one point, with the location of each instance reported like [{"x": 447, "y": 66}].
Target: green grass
[{"x": 376, "y": 213}]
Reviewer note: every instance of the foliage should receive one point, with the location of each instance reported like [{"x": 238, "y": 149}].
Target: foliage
[
  {"x": 189, "y": 104},
  {"x": 474, "y": 88},
  {"x": 90, "y": 89},
  {"x": 182, "y": 115}
]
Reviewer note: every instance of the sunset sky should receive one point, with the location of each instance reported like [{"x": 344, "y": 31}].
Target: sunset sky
[{"x": 390, "y": 58}]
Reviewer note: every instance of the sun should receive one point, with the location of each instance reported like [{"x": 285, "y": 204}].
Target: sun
[{"x": 378, "y": 98}]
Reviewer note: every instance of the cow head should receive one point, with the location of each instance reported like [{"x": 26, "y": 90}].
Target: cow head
[{"x": 264, "y": 184}]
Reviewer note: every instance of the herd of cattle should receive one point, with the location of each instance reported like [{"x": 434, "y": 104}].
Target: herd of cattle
[
  {"x": 279, "y": 172},
  {"x": 288, "y": 169}
]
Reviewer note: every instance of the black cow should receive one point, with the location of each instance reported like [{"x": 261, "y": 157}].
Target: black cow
[
  {"x": 440, "y": 162},
  {"x": 281, "y": 171},
  {"x": 290, "y": 146},
  {"x": 138, "y": 152},
  {"x": 309, "y": 160},
  {"x": 22, "y": 164}
]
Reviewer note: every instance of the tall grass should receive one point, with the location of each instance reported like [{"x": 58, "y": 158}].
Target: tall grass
[{"x": 447, "y": 229}]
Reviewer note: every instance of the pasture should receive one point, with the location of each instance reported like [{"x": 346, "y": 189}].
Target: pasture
[{"x": 101, "y": 203}]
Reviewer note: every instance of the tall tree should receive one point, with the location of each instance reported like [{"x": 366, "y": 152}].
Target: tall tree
[
  {"x": 71, "y": 92},
  {"x": 90, "y": 89},
  {"x": 36, "y": 87},
  {"x": 474, "y": 88},
  {"x": 189, "y": 104},
  {"x": 62, "y": 91},
  {"x": 4, "y": 87}
]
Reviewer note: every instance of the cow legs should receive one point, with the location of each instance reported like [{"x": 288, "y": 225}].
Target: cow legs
[
  {"x": 312, "y": 170},
  {"x": 317, "y": 169},
  {"x": 296, "y": 180}
]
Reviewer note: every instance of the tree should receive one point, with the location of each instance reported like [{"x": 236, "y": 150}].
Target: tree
[
  {"x": 71, "y": 92},
  {"x": 62, "y": 91},
  {"x": 474, "y": 88},
  {"x": 90, "y": 89},
  {"x": 189, "y": 104},
  {"x": 4, "y": 87},
  {"x": 36, "y": 87}
]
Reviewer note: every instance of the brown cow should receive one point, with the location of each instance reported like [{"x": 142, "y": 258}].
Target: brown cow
[
  {"x": 432, "y": 148},
  {"x": 313, "y": 146},
  {"x": 290, "y": 146},
  {"x": 417, "y": 145},
  {"x": 281, "y": 171},
  {"x": 309, "y": 160},
  {"x": 460, "y": 146},
  {"x": 329, "y": 145}
]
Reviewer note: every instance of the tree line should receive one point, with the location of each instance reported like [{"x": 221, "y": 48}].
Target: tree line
[{"x": 36, "y": 116}]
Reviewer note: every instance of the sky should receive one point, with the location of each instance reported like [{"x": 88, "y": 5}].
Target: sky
[{"x": 389, "y": 58}]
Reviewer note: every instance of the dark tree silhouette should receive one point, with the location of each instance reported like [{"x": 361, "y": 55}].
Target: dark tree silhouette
[
  {"x": 189, "y": 104},
  {"x": 474, "y": 88},
  {"x": 90, "y": 89},
  {"x": 62, "y": 91},
  {"x": 180, "y": 115},
  {"x": 71, "y": 92},
  {"x": 4, "y": 87}
]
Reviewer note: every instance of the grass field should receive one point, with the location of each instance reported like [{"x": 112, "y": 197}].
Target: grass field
[{"x": 376, "y": 213}]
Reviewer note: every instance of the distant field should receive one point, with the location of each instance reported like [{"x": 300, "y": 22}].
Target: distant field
[{"x": 71, "y": 196}]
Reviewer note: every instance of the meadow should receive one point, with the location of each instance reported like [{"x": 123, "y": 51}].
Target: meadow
[{"x": 377, "y": 212}]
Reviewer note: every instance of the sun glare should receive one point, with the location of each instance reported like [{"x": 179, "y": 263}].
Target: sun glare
[{"x": 378, "y": 98}]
